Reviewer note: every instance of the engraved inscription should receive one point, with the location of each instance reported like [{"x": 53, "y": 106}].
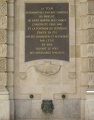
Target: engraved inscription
[
  {"x": 91, "y": 35},
  {"x": 2, "y": 64},
  {"x": 46, "y": 31},
  {"x": 91, "y": 64},
  {"x": 3, "y": 8},
  {"x": 90, "y": 7}
]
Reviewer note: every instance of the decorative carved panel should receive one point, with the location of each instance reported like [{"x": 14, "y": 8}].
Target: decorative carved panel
[
  {"x": 91, "y": 64},
  {"x": 3, "y": 8},
  {"x": 3, "y": 22},
  {"x": 90, "y": 35},
  {"x": 2, "y": 64},
  {"x": 91, "y": 7}
]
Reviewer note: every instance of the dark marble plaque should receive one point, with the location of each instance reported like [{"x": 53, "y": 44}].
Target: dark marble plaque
[{"x": 46, "y": 31}]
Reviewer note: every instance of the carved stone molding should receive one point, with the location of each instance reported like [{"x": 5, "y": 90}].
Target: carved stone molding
[
  {"x": 3, "y": 22},
  {"x": 72, "y": 75},
  {"x": 23, "y": 75},
  {"x": 47, "y": 69},
  {"x": 90, "y": 7},
  {"x": 91, "y": 64},
  {"x": 90, "y": 35},
  {"x": 3, "y": 8},
  {"x": 2, "y": 64}
]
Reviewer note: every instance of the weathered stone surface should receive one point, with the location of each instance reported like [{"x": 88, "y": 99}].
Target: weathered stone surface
[
  {"x": 90, "y": 36},
  {"x": 3, "y": 50},
  {"x": 91, "y": 7},
  {"x": 3, "y": 22},
  {"x": 3, "y": 64},
  {"x": 91, "y": 64},
  {"x": 90, "y": 50},
  {"x": 47, "y": 69},
  {"x": 90, "y": 21},
  {"x": 84, "y": 22},
  {"x": 84, "y": 65},
  {"x": 23, "y": 109},
  {"x": 89, "y": 109},
  {"x": 3, "y": 8},
  {"x": 4, "y": 106},
  {"x": 83, "y": 8},
  {"x": 72, "y": 108},
  {"x": 3, "y": 79},
  {"x": 3, "y": 36}
]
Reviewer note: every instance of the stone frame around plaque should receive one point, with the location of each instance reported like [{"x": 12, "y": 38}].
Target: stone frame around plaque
[{"x": 24, "y": 67}]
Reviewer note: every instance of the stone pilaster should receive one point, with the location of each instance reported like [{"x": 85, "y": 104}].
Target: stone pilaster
[
  {"x": 4, "y": 94},
  {"x": 87, "y": 55},
  {"x": 10, "y": 53}
]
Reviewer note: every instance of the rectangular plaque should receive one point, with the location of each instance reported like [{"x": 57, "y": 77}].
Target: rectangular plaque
[{"x": 46, "y": 31}]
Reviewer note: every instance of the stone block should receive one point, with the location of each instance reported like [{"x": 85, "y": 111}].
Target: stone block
[
  {"x": 90, "y": 50},
  {"x": 84, "y": 36},
  {"x": 84, "y": 78},
  {"x": 83, "y": 92},
  {"x": 3, "y": 64},
  {"x": 3, "y": 22},
  {"x": 10, "y": 79},
  {"x": 11, "y": 10},
  {"x": 11, "y": 24},
  {"x": 10, "y": 37},
  {"x": 83, "y": 22},
  {"x": 23, "y": 109},
  {"x": 72, "y": 11},
  {"x": 36, "y": 109},
  {"x": 84, "y": 50},
  {"x": 3, "y": 8},
  {"x": 84, "y": 64},
  {"x": 89, "y": 109},
  {"x": 19, "y": 24},
  {"x": 77, "y": 10},
  {"x": 91, "y": 7},
  {"x": 82, "y": 109},
  {"x": 11, "y": 109},
  {"x": 4, "y": 110},
  {"x": 83, "y": 9},
  {"x": 10, "y": 64},
  {"x": 72, "y": 108},
  {"x": 11, "y": 1},
  {"x": 19, "y": 11},
  {"x": 90, "y": 21},
  {"x": 3, "y": 50},
  {"x": 3, "y": 79},
  {"x": 90, "y": 36},
  {"x": 91, "y": 64},
  {"x": 11, "y": 93},
  {"x": 58, "y": 109},
  {"x": 83, "y": 0},
  {"x": 3, "y": 36},
  {"x": 91, "y": 79},
  {"x": 10, "y": 51}
]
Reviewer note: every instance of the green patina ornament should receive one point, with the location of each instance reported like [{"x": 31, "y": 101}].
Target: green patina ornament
[{"x": 47, "y": 106}]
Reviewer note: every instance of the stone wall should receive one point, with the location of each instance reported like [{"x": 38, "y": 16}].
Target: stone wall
[
  {"x": 4, "y": 94},
  {"x": 22, "y": 79}
]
